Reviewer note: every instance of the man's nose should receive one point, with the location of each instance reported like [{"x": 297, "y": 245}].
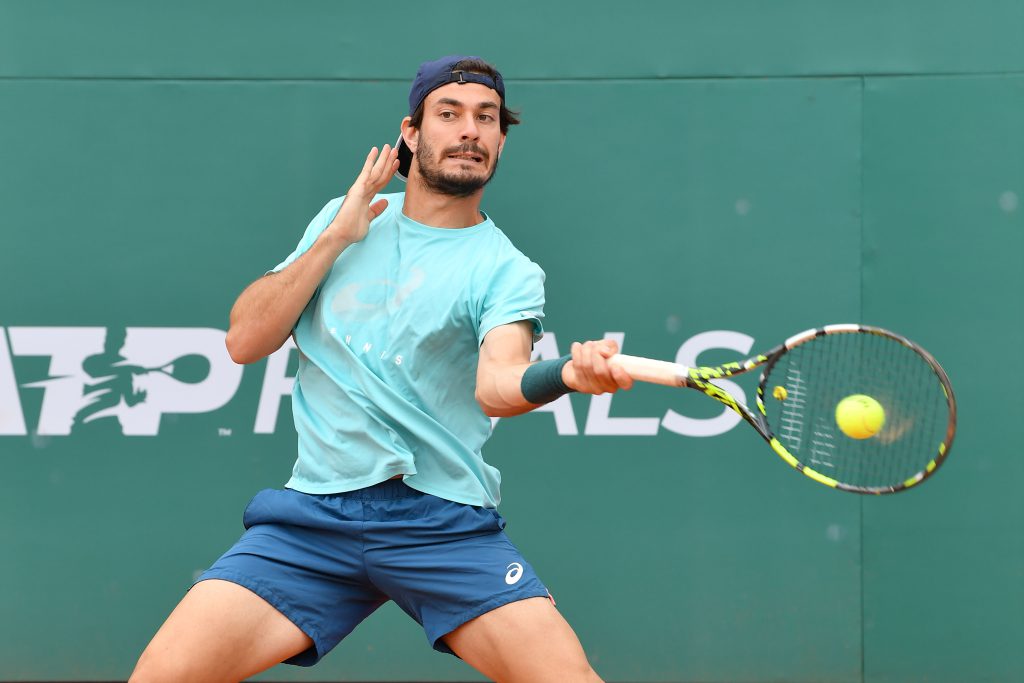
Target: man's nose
[{"x": 470, "y": 129}]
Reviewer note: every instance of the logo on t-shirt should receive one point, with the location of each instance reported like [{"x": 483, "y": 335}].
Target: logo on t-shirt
[{"x": 362, "y": 301}]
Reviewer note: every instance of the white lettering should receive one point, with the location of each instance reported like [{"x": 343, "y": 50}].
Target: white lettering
[
  {"x": 12, "y": 419},
  {"x": 135, "y": 374},
  {"x": 687, "y": 355},
  {"x": 276, "y": 384},
  {"x": 598, "y": 421},
  {"x": 67, "y": 347},
  {"x": 166, "y": 354}
]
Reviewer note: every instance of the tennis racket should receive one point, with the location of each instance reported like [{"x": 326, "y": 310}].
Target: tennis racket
[{"x": 803, "y": 381}]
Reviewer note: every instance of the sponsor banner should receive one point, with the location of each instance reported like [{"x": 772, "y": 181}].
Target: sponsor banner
[{"x": 135, "y": 375}]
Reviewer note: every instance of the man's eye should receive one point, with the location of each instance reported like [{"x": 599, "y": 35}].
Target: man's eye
[
  {"x": 447, "y": 115},
  {"x": 486, "y": 117}
]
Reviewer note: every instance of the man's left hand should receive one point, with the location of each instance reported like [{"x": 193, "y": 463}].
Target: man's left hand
[{"x": 589, "y": 371}]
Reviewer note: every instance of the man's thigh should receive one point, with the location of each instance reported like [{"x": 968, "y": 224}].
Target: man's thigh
[
  {"x": 289, "y": 590},
  {"x": 220, "y": 631},
  {"x": 528, "y": 640}
]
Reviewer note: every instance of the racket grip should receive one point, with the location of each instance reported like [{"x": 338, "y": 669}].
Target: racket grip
[{"x": 653, "y": 371}]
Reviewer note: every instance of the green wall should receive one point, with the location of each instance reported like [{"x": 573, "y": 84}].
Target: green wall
[{"x": 691, "y": 175}]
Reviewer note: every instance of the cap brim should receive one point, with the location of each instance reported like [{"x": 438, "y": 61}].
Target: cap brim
[{"x": 404, "y": 159}]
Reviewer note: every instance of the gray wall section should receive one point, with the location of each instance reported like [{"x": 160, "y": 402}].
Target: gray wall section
[{"x": 682, "y": 168}]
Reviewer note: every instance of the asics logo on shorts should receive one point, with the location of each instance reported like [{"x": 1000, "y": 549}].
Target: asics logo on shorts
[{"x": 515, "y": 572}]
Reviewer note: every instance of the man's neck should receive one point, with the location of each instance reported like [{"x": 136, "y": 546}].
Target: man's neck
[{"x": 440, "y": 210}]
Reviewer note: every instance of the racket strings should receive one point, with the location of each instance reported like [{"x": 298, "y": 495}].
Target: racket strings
[{"x": 820, "y": 373}]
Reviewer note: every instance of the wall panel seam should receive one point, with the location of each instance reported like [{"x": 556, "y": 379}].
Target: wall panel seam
[{"x": 608, "y": 80}]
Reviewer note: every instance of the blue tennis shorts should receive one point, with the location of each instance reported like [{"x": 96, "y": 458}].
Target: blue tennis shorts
[{"x": 328, "y": 561}]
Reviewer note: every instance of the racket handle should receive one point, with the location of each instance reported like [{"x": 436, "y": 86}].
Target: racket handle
[{"x": 650, "y": 370}]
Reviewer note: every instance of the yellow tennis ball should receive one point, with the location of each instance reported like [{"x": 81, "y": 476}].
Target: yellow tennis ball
[
  {"x": 860, "y": 416},
  {"x": 779, "y": 392}
]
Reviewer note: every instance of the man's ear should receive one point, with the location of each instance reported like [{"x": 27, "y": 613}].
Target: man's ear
[
  {"x": 410, "y": 134},
  {"x": 501, "y": 144}
]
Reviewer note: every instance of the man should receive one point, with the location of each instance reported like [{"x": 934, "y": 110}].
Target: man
[{"x": 411, "y": 332}]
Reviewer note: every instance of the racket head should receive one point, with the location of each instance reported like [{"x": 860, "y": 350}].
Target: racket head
[{"x": 818, "y": 368}]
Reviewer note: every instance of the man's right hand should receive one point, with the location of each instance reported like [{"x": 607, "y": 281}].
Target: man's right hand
[
  {"x": 352, "y": 222},
  {"x": 265, "y": 313}
]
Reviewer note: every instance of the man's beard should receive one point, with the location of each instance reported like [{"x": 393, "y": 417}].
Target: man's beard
[{"x": 441, "y": 182}]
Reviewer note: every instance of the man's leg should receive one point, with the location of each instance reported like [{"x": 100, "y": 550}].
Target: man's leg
[
  {"x": 526, "y": 641},
  {"x": 220, "y": 631}
]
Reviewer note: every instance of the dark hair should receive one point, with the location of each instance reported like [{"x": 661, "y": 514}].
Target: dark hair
[{"x": 506, "y": 117}]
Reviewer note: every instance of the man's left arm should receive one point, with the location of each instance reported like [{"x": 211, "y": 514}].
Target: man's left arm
[{"x": 505, "y": 359}]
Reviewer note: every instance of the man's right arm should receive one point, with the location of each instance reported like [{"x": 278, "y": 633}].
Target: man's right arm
[{"x": 265, "y": 313}]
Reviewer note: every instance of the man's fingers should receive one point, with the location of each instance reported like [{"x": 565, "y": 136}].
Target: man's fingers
[
  {"x": 377, "y": 208},
  {"x": 602, "y": 373},
  {"x": 616, "y": 377},
  {"x": 593, "y": 373},
  {"x": 391, "y": 167},
  {"x": 378, "y": 167},
  {"x": 368, "y": 164},
  {"x": 587, "y": 356},
  {"x": 608, "y": 347},
  {"x": 383, "y": 169},
  {"x": 601, "y": 351},
  {"x": 622, "y": 378}
]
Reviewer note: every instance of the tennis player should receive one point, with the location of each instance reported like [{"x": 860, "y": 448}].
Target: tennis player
[{"x": 414, "y": 316}]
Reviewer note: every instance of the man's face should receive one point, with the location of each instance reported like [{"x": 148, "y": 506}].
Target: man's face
[{"x": 460, "y": 138}]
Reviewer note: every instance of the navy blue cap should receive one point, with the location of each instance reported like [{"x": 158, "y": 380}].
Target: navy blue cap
[{"x": 430, "y": 77}]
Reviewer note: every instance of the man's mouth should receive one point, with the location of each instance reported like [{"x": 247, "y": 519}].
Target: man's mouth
[{"x": 467, "y": 156}]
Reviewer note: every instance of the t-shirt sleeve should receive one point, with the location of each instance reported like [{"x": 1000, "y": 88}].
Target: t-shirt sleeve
[
  {"x": 313, "y": 231},
  {"x": 515, "y": 292}
]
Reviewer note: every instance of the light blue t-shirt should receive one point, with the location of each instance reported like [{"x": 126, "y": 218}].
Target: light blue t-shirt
[{"x": 389, "y": 346}]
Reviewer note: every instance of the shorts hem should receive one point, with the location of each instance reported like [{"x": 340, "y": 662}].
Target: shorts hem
[
  {"x": 278, "y": 602},
  {"x": 500, "y": 601}
]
